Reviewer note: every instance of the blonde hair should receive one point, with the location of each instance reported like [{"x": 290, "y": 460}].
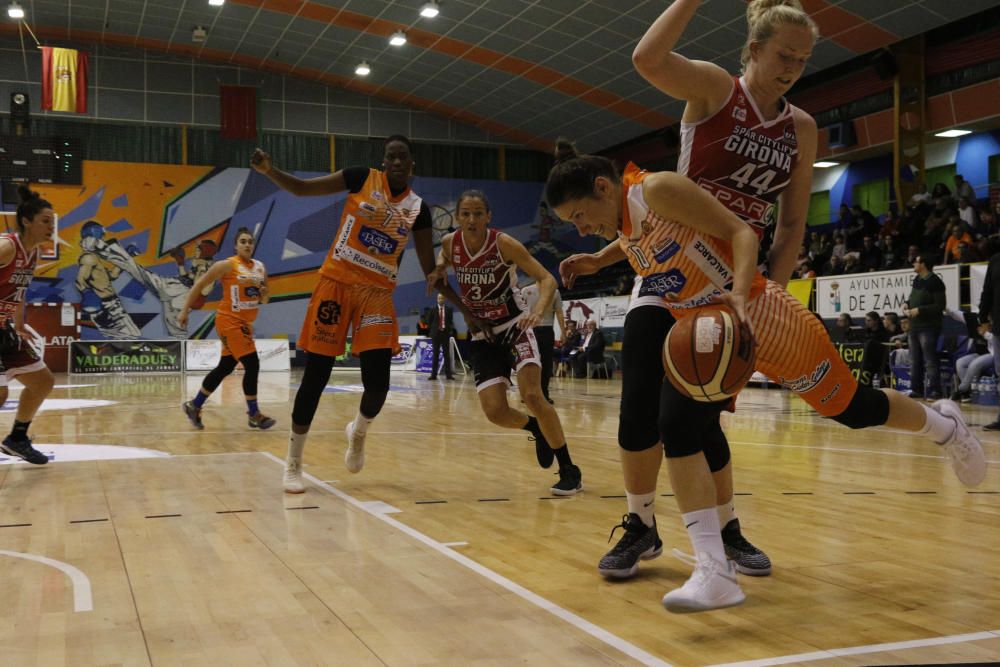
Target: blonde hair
[{"x": 764, "y": 16}]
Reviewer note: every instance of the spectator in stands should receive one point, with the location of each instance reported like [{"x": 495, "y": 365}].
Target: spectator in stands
[
  {"x": 891, "y": 323},
  {"x": 890, "y": 255},
  {"x": 839, "y": 248},
  {"x": 911, "y": 254},
  {"x": 870, "y": 257},
  {"x": 959, "y": 234},
  {"x": 890, "y": 225},
  {"x": 963, "y": 189},
  {"x": 926, "y": 310},
  {"x": 851, "y": 263},
  {"x": 591, "y": 350},
  {"x": 921, "y": 197},
  {"x": 834, "y": 267},
  {"x": 845, "y": 220},
  {"x": 967, "y": 212},
  {"x": 978, "y": 358},
  {"x": 987, "y": 222},
  {"x": 989, "y": 312},
  {"x": 901, "y": 340},
  {"x": 934, "y": 234},
  {"x": 875, "y": 351},
  {"x": 869, "y": 223},
  {"x": 941, "y": 194},
  {"x": 570, "y": 342},
  {"x": 843, "y": 329}
]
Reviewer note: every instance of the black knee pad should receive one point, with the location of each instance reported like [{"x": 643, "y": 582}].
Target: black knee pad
[
  {"x": 642, "y": 375},
  {"x": 687, "y": 425},
  {"x": 251, "y": 369},
  {"x": 869, "y": 407},
  {"x": 716, "y": 449},
  {"x": 314, "y": 379},
  {"x": 226, "y": 365},
  {"x": 375, "y": 366}
]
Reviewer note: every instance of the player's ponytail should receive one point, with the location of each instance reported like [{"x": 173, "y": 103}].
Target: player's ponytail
[
  {"x": 573, "y": 175},
  {"x": 31, "y": 205},
  {"x": 764, "y": 16}
]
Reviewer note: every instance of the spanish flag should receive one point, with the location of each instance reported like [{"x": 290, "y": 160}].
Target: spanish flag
[{"x": 64, "y": 80}]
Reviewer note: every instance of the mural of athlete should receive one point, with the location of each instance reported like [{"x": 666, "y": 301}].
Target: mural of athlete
[
  {"x": 98, "y": 297},
  {"x": 204, "y": 253},
  {"x": 18, "y": 257},
  {"x": 171, "y": 291},
  {"x": 244, "y": 289}
]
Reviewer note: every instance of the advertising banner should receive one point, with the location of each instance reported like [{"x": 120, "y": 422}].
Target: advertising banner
[
  {"x": 880, "y": 291},
  {"x": 125, "y": 356},
  {"x": 204, "y": 355}
]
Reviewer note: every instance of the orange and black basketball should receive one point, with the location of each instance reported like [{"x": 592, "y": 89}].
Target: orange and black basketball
[{"x": 709, "y": 356}]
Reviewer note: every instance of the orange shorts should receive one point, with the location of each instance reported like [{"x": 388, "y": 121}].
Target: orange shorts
[
  {"x": 794, "y": 349},
  {"x": 236, "y": 336},
  {"x": 337, "y": 307}
]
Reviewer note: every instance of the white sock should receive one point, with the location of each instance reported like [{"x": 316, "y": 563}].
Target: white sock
[
  {"x": 642, "y": 504},
  {"x": 938, "y": 427},
  {"x": 703, "y": 529},
  {"x": 726, "y": 512},
  {"x": 296, "y": 443},
  {"x": 361, "y": 424}
]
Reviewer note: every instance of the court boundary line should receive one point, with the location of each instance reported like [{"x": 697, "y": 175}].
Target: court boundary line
[
  {"x": 82, "y": 598},
  {"x": 585, "y": 626},
  {"x": 865, "y": 649}
]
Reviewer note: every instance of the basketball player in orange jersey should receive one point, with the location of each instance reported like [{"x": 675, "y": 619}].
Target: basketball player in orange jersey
[
  {"x": 354, "y": 292},
  {"x": 244, "y": 289},
  {"x": 485, "y": 262},
  {"x": 744, "y": 143},
  {"x": 670, "y": 227},
  {"x": 18, "y": 359}
]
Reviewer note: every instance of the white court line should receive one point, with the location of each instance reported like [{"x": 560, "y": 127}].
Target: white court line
[
  {"x": 454, "y": 544},
  {"x": 82, "y": 599},
  {"x": 581, "y": 624},
  {"x": 861, "y": 650}
]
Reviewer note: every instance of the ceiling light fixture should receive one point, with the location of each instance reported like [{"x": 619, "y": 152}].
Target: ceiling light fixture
[
  {"x": 398, "y": 38},
  {"x": 216, "y": 3},
  {"x": 363, "y": 69},
  {"x": 824, "y": 164},
  {"x": 430, "y": 10},
  {"x": 951, "y": 134},
  {"x": 15, "y": 11}
]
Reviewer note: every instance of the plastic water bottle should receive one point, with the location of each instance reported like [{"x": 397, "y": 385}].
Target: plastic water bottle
[
  {"x": 976, "y": 390},
  {"x": 991, "y": 391}
]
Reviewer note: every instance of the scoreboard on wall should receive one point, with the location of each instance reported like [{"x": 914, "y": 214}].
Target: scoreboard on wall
[{"x": 41, "y": 159}]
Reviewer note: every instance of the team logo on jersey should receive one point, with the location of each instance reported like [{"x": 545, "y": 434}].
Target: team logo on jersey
[
  {"x": 789, "y": 137},
  {"x": 805, "y": 383},
  {"x": 367, "y": 210},
  {"x": 663, "y": 284},
  {"x": 740, "y": 113},
  {"x": 377, "y": 195},
  {"x": 665, "y": 250},
  {"x": 253, "y": 292},
  {"x": 328, "y": 312},
  {"x": 377, "y": 242}
]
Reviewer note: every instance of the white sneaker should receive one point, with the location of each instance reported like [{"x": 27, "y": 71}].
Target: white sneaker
[
  {"x": 354, "y": 457},
  {"x": 712, "y": 586},
  {"x": 963, "y": 447},
  {"x": 293, "y": 476}
]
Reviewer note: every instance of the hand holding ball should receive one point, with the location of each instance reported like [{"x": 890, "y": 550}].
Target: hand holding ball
[{"x": 709, "y": 356}]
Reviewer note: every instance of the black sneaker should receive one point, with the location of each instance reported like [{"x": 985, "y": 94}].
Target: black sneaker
[
  {"x": 961, "y": 396},
  {"x": 916, "y": 395},
  {"x": 992, "y": 426},
  {"x": 260, "y": 421},
  {"x": 748, "y": 558},
  {"x": 543, "y": 452},
  {"x": 23, "y": 449},
  {"x": 640, "y": 542},
  {"x": 193, "y": 414},
  {"x": 570, "y": 481}
]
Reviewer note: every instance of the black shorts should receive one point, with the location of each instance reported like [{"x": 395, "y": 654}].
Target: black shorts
[{"x": 492, "y": 362}]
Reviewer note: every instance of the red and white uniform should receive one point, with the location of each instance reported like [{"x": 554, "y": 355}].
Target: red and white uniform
[
  {"x": 487, "y": 282},
  {"x": 14, "y": 281}
]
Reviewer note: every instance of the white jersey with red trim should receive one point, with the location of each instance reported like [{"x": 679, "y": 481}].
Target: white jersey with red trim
[
  {"x": 741, "y": 158},
  {"x": 15, "y": 277},
  {"x": 487, "y": 282}
]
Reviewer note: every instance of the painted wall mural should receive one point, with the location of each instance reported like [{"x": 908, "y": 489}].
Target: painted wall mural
[{"x": 135, "y": 238}]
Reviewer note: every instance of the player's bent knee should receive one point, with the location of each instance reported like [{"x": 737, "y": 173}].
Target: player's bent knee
[
  {"x": 869, "y": 407},
  {"x": 637, "y": 435}
]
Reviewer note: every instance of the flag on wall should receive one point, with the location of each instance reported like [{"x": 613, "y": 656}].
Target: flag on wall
[
  {"x": 64, "y": 80},
  {"x": 238, "y": 112}
]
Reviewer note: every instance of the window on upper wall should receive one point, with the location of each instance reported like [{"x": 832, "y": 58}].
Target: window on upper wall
[
  {"x": 819, "y": 209},
  {"x": 872, "y": 196},
  {"x": 995, "y": 168}
]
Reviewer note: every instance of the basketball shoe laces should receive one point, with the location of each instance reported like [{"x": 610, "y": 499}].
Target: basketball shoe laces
[
  {"x": 705, "y": 567},
  {"x": 633, "y": 532}
]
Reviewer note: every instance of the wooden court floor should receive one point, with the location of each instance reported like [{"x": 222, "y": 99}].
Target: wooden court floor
[{"x": 447, "y": 549}]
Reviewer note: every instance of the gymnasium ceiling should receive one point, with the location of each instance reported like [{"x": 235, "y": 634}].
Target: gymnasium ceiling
[{"x": 528, "y": 70}]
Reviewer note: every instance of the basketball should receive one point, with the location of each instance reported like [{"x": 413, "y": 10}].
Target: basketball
[{"x": 709, "y": 356}]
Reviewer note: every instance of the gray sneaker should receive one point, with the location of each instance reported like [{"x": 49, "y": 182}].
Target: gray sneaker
[
  {"x": 193, "y": 414},
  {"x": 748, "y": 559},
  {"x": 640, "y": 542}
]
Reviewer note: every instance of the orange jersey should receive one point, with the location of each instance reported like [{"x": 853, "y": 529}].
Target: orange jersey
[
  {"x": 241, "y": 289},
  {"x": 685, "y": 267},
  {"x": 372, "y": 234}
]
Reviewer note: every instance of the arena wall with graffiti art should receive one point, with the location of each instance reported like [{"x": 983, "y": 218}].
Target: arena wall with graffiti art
[{"x": 135, "y": 237}]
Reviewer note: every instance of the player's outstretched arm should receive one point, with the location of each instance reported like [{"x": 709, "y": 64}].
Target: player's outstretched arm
[{"x": 322, "y": 185}]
